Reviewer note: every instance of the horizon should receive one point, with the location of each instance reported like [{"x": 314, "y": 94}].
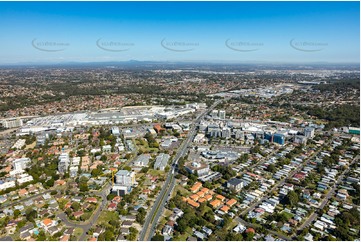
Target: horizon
[
  {"x": 130, "y": 63},
  {"x": 55, "y": 33}
]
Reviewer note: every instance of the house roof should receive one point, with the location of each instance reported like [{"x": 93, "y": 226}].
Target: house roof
[
  {"x": 215, "y": 203},
  {"x": 220, "y": 197},
  {"x": 231, "y": 202},
  {"x": 65, "y": 237},
  {"x": 25, "y": 235},
  {"x": 205, "y": 190},
  {"x": 129, "y": 223},
  {"x": 47, "y": 221},
  {"x": 91, "y": 199},
  {"x": 77, "y": 214},
  {"x": 208, "y": 197},
  {"x": 112, "y": 205},
  {"x": 250, "y": 230},
  {"x": 193, "y": 203},
  {"x": 195, "y": 197},
  {"x": 22, "y": 192},
  {"x": 234, "y": 181},
  {"x": 225, "y": 208},
  {"x": 200, "y": 194},
  {"x": 196, "y": 187}
]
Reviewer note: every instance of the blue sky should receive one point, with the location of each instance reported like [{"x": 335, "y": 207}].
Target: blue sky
[{"x": 283, "y": 32}]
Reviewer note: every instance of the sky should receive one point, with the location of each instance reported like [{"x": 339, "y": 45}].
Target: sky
[{"x": 252, "y": 32}]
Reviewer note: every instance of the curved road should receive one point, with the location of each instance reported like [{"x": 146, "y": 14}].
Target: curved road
[{"x": 88, "y": 224}]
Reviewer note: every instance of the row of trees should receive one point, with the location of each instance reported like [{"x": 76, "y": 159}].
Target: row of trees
[{"x": 337, "y": 116}]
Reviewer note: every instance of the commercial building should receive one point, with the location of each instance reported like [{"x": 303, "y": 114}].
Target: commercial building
[
  {"x": 21, "y": 164},
  {"x": 214, "y": 113},
  {"x": 201, "y": 169},
  {"x": 63, "y": 164},
  {"x": 142, "y": 160},
  {"x": 309, "y": 132},
  {"x": 7, "y": 185},
  {"x": 125, "y": 177},
  {"x": 161, "y": 161},
  {"x": 124, "y": 180},
  {"x": 300, "y": 139},
  {"x": 115, "y": 131},
  {"x": 73, "y": 171},
  {"x": 279, "y": 139},
  {"x": 12, "y": 123},
  {"x": 353, "y": 130},
  {"x": 235, "y": 184},
  {"x": 238, "y": 134},
  {"x": 226, "y": 132},
  {"x": 214, "y": 131},
  {"x": 19, "y": 143},
  {"x": 222, "y": 114}
]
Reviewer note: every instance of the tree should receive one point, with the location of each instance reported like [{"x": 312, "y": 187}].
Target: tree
[
  {"x": 158, "y": 237},
  {"x": 282, "y": 217},
  {"x": 292, "y": 198},
  {"x": 31, "y": 214},
  {"x": 49, "y": 183},
  {"x": 21, "y": 224},
  {"x": 75, "y": 206},
  {"x": 208, "y": 185},
  {"x": 114, "y": 223},
  {"x": 231, "y": 236},
  {"x": 133, "y": 233},
  {"x": 128, "y": 168},
  {"x": 103, "y": 158},
  {"x": 171, "y": 205},
  {"x": 16, "y": 213},
  {"x": 111, "y": 196},
  {"x": 182, "y": 225},
  {"x": 342, "y": 233},
  {"x": 83, "y": 186},
  {"x": 249, "y": 236},
  {"x": 108, "y": 235},
  {"x": 41, "y": 236},
  {"x": 209, "y": 216},
  {"x": 97, "y": 172},
  {"x": 141, "y": 215},
  {"x": 271, "y": 168}
]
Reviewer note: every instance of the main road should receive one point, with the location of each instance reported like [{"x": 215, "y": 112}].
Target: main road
[{"x": 153, "y": 216}]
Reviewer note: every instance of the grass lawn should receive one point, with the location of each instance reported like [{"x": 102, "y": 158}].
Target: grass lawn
[
  {"x": 107, "y": 216},
  {"x": 62, "y": 202},
  {"x": 162, "y": 222},
  {"x": 152, "y": 150},
  {"x": 155, "y": 172},
  {"x": 288, "y": 215},
  {"x": 182, "y": 190},
  {"x": 167, "y": 213},
  {"x": 183, "y": 237},
  {"x": 232, "y": 224},
  {"x": 31, "y": 146},
  {"x": 206, "y": 209},
  {"x": 78, "y": 232},
  {"x": 189, "y": 230},
  {"x": 138, "y": 175}
]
